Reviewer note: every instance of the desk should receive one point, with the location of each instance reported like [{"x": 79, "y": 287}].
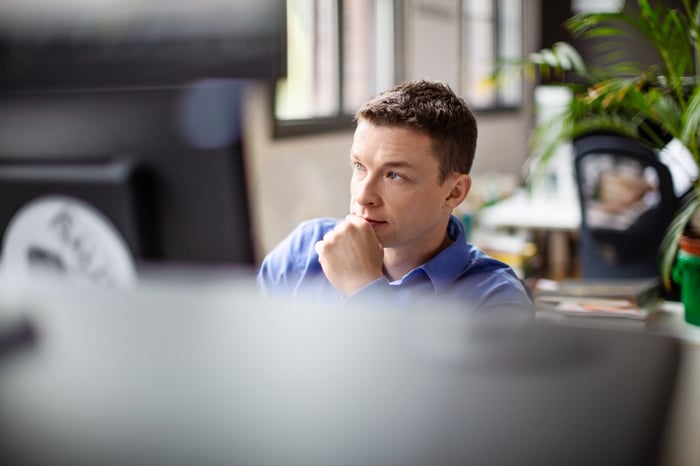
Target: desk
[
  {"x": 682, "y": 446},
  {"x": 557, "y": 216}
]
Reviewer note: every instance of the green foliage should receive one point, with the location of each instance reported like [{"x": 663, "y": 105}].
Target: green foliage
[
  {"x": 669, "y": 245},
  {"x": 652, "y": 104}
]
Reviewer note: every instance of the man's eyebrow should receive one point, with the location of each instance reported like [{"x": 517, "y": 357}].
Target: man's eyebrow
[
  {"x": 397, "y": 164},
  {"x": 387, "y": 164}
]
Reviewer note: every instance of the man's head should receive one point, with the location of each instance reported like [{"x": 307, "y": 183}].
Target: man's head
[
  {"x": 411, "y": 152},
  {"x": 431, "y": 108}
]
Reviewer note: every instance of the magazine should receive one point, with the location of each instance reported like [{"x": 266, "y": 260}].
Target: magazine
[{"x": 608, "y": 302}]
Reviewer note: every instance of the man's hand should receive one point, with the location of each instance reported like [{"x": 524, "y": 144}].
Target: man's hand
[{"x": 350, "y": 255}]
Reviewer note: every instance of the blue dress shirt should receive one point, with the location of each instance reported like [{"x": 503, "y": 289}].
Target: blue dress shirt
[{"x": 459, "y": 273}]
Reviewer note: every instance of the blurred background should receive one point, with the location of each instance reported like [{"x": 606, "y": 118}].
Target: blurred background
[{"x": 225, "y": 123}]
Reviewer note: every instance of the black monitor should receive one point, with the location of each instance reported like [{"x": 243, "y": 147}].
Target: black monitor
[{"x": 133, "y": 114}]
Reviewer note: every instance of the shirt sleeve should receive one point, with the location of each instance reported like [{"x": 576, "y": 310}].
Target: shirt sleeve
[
  {"x": 293, "y": 259},
  {"x": 379, "y": 288},
  {"x": 508, "y": 299}
]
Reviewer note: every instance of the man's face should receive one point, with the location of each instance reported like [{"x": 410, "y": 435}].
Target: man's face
[{"x": 395, "y": 187}]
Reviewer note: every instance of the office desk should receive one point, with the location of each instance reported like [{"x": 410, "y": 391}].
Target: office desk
[
  {"x": 558, "y": 216},
  {"x": 682, "y": 445}
]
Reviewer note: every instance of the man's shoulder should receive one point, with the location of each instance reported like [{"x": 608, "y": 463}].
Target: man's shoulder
[{"x": 488, "y": 272}]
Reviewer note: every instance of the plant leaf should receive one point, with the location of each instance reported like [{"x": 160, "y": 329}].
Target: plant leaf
[{"x": 669, "y": 243}]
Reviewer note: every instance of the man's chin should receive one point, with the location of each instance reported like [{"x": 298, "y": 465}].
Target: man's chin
[{"x": 384, "y": 241}]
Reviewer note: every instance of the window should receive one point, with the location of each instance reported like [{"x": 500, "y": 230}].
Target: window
[
  {"x": 340, "y": 52},
  {"x": 491, "y": 34}
]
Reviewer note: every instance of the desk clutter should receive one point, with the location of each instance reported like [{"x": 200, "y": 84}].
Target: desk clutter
[
  {"x": 614, "y": 303},
  {"x": 549, "y": 221}
]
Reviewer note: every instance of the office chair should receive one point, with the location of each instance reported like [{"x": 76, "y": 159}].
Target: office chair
[{"x": 627, "y": 200}]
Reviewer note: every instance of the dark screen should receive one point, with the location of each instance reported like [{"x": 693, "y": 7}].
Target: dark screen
[
  {"x": 186, "y": 190},
  {"x": 151, "y": 92}
]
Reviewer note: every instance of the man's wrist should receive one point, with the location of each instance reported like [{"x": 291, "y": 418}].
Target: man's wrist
[{"x": 377, "y": 287}]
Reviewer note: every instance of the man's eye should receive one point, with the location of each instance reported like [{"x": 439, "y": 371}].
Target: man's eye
[
  {"x": 356, "y": 166},
  {"x": 394, "y": 176}
]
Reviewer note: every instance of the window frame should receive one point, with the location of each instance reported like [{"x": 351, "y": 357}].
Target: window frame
[
  {"x": 343, "y": 121},
  {"x": 498, "y": 106}
]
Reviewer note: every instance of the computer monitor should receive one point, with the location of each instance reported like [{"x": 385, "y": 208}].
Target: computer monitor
[
  {"x": 130, "y": 119},
  {"x": 206, "y": 372}
]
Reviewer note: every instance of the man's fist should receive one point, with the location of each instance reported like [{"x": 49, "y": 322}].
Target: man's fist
[{"x": 350, "y": 255}]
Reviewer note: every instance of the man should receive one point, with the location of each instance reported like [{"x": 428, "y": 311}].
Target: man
[{"x": 411, "y": 155}]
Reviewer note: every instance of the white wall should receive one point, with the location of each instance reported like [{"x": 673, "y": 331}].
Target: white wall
[
  {"x": 291, "y": 179},
  {"x": 298, "y": 178},
  {"x": 431, "y": 40}
]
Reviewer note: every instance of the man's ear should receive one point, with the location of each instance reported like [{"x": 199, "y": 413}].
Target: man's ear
[{"x": 460, "y": 185}]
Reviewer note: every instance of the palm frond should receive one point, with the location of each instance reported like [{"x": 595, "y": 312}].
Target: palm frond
[
  {"x": 690, "y": 136},
  {"x": 606, "y": 123},
  {"x": 694, "y": 30},
  {"x": 666, "y": 30},
  {"x": 665, "y": 113},
  {"x": 560, "y": 59},
  {"x": 669, "y": 243},
  {"x": 546, "y": 139}
]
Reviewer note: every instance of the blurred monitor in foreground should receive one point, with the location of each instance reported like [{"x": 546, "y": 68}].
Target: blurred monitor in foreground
[{"x": 194, "y": 370}]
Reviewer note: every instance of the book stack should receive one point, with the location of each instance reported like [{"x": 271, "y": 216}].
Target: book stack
[{"x": 612, "y": 303}]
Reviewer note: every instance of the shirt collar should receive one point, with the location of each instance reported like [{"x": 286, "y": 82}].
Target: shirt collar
[{"x": 447, "y": 266}]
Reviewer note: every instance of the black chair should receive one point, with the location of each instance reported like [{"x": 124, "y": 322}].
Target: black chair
[{"x": 627, "y": 201}]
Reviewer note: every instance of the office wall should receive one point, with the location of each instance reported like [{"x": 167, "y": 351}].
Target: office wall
[
  {"x": 291, "y": 179},
  {"x": 298, "y": 178}
]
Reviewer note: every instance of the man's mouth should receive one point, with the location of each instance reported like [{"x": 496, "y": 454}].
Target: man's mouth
[{"x": 374, "y": 223}]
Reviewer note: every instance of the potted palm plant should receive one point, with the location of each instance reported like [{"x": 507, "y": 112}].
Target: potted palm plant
[{"x": 650, "y": 103}]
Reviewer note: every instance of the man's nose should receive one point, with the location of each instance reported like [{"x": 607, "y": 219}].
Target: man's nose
[{"x": 366, "y": 191}]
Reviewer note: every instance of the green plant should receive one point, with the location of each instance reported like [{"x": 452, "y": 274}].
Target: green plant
[{"x": 650, "y": 103}]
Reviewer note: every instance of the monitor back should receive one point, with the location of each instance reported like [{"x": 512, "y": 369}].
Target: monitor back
[{"x": 201, "y": 371}]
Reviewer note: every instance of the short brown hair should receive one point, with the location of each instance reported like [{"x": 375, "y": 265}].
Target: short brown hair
[{"x": 431, "y": 107}]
